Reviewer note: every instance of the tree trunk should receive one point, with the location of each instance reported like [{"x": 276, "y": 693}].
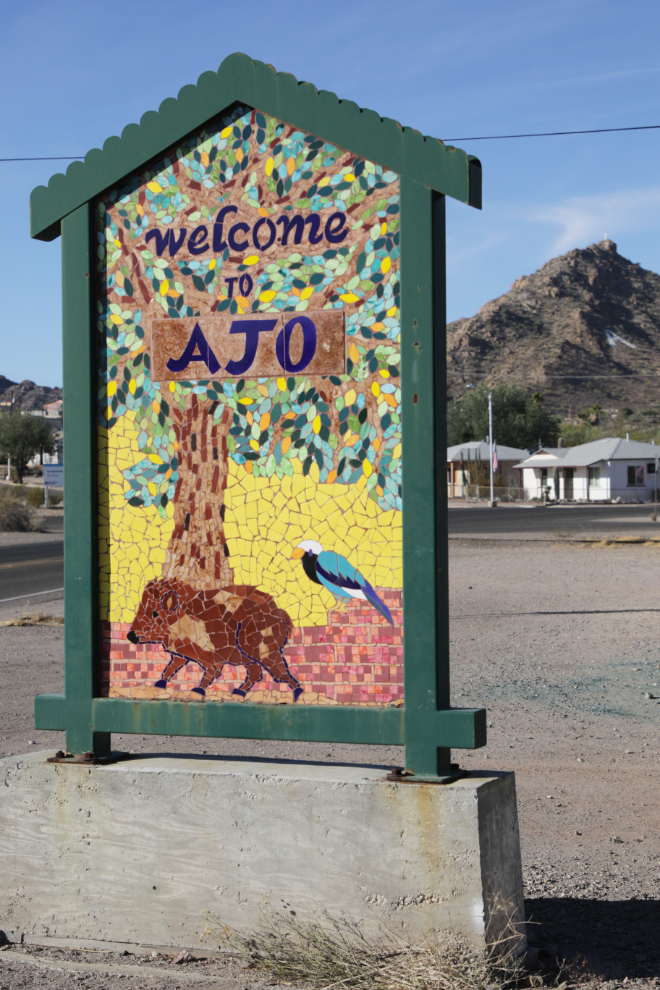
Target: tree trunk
[{"x": 197, "y": 554}]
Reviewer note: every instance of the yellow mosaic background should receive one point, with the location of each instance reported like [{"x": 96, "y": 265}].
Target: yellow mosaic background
[{"x": 133, "y": 541}]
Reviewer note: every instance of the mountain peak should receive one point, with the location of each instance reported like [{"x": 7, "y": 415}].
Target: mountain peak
[
  {"x": 26, "y": 395},
  {"x": 578, "y": 329}
]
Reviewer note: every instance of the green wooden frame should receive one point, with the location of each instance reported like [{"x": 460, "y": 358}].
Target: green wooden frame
[{"x": 427, "y": 726}]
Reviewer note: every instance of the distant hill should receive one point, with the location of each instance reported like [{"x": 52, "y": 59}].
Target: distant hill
[
  {"x": 27, "y": 396},
  {"x": 588, "y": 313}
]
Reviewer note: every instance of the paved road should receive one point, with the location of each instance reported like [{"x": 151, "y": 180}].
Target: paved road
[
  {"x": 37, "y": 567},
  {"x": 513, "y": 520},
  {"x": 30, "y": 568},
  {"x": 51, "y": 522}
]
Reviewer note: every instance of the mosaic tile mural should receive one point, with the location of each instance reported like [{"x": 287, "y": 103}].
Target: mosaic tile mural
[{"x": 250, "y": 527}]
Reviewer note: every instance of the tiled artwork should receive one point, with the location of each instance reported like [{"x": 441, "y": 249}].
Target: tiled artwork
[{"x": 249, "y": 423}]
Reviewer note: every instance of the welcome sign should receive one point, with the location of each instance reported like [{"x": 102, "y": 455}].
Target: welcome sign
[
  {"x": 253, "y": 308},
  {"x": 249, "y": 419}
]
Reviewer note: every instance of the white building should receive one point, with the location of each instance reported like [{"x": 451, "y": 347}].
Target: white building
[
  {"x": 542, "y": 471},
  {"x": 53, "y": 410},
  {"x": 592, "y": 472}
]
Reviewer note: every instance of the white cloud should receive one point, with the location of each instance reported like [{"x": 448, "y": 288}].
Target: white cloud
[
  {"x": 586, "y": 219},
  {"x": 460, "y": 251}
]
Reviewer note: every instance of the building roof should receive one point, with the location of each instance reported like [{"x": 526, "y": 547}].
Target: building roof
[
  {"x": 586, "y": 454},
  {"x": 609, "y": 449},
  {"x": 482, "y": 448},
  {"x": 239, "y": 79},
  {"x": 545, "y": 457},
  {"x": 552, "y": 451}
]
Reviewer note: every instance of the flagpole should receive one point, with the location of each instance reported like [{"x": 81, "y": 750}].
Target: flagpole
[{"x": 490, "y": 440}]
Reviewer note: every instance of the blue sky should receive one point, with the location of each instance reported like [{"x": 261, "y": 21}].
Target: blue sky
[{"x": 73, "y": 73}]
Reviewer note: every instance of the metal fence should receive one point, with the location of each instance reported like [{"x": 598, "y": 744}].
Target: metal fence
[{"x": 510, "y": 492}]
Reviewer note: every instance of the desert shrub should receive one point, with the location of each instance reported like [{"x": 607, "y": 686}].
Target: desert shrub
[
  {"x": 34, "y": 496},
  {"x": 36, "y": 619},
  {"x": 16, "y": 516}
]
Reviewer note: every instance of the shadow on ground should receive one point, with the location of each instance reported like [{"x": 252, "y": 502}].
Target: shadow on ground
[{"x": 612, "y": 939}]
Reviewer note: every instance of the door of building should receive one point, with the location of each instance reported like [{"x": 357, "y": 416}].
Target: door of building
[{"x": 568, "y": 484}]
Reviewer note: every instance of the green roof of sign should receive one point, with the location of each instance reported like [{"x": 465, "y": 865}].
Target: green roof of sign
[{"x": 240, "y": 79}]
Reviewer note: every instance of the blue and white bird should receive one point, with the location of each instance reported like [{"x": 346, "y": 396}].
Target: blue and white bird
[{"x": 334, "y": 572}]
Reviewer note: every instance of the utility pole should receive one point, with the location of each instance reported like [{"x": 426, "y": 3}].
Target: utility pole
[
  {"x": 655, "y": 488},
  {"x": 493, "y": 503},
  {"x": 490, "y": 444}
]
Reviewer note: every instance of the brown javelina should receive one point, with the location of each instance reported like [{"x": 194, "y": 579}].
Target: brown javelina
[{"x": 237, "y": 624}]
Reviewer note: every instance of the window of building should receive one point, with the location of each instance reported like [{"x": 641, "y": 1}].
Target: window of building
[
  {"x": 544, "y": 477},
  {"x": 650, "y": 468},
  {"x": 635, "y": 474},
  {"x": 594, "y": 477}
]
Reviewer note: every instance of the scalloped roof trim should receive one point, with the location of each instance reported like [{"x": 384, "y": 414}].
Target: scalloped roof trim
[{"x": 404, "y": 150}]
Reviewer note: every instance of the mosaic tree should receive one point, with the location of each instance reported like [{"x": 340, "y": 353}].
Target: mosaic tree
[{"x": 340, "y": 427}]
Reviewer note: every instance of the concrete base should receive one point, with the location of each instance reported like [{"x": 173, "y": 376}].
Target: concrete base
[{"x": 139, "y": 851}]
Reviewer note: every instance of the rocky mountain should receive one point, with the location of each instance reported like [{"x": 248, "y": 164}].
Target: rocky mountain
[
  {"x": 583, "y": 329},
  {"x": 26, "y": 395}
]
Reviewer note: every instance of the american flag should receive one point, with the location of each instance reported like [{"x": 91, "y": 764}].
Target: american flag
[{"x": 495, "y": 460}]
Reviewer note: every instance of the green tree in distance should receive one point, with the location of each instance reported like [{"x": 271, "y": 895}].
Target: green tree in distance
[
  {"x": 21, "y": 437},
  {"x": 519, "y": 419},
  {"x": 573, "y": 434}
]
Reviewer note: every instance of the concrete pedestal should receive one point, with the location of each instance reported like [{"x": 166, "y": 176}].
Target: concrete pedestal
[{"x": 139, "y": 851}]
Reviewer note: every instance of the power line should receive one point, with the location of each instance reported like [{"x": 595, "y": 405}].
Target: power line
[
  {"x": 482, "y": 137},
  {"x": 643, "y": 374},
  {"x": 597, "y": 130},
  {"x": 633, "y": 374}
]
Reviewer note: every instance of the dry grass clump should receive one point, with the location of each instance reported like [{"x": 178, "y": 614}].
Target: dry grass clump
[
  {"x": 35, "y": 496},
  {"x": 16, "y": 516},
  {"x": 336, "y": 953},
  {"x": 39, "y": 619}
]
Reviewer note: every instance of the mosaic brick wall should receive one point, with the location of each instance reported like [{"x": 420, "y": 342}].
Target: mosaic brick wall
[
  {"x": 209, "y": 484},
  {"x": 355, "y": 659}
]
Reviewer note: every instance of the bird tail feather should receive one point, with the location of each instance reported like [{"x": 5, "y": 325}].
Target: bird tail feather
[{"x": 374, "y": 600}]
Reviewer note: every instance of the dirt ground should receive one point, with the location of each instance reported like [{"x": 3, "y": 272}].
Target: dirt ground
[{"x": 560, "y": 643}]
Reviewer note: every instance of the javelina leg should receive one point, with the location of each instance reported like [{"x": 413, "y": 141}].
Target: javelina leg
[
  {"x": 176, "y": 663},
  {"x": 276, "y": 666},
  {"x": 210, "y": 673},
  {"x": 253, "y": 672}
]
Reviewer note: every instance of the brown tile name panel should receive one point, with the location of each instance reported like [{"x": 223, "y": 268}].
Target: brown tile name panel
[{"x": 259, "y": 345}]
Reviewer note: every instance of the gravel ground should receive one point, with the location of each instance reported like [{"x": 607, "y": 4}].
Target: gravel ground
[
  {"x": 560, "y": 643},
  {"x": 48, "y": 968}
]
